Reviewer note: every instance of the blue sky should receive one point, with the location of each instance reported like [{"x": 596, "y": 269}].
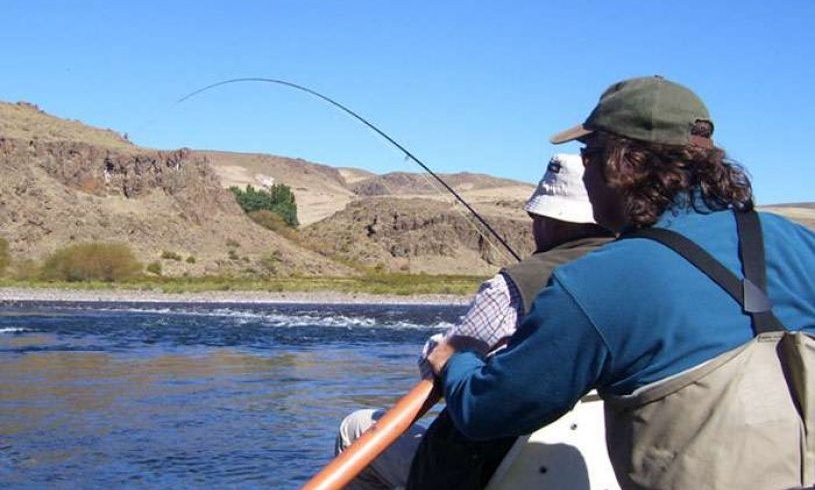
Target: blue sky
[{"x": 474, "y": 86}]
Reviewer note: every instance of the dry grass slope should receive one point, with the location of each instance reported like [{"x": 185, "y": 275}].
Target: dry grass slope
[{"x": 25, "y": 121}]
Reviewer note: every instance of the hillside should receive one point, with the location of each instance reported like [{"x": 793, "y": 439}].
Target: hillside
[
  {"x": 420, "y": 236},
  {"x": 27, "y": 122},
  {"x": 56, "y": 194},
  {"x": 65, "y": 182},
  {"x": 71, "y": 183},
  {"x": 322, "y": 190}
]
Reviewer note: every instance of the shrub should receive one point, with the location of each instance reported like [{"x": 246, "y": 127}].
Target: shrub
[
  {"x": 170, "y": 255},
  {"x": 269, "y": 262},
  {"x": 274, "y": 222},
  {"x": 190, "y": 259},
  {"x": 92, "y": 262},
  {"x": 154, "y": 268},
  {"x": 26, "y": 270},
  {"x": 5, "y": 258},
  {"x": 268, "y": 219}
]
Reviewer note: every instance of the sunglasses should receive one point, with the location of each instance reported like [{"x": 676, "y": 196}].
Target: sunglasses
[{"x": 587, "y": 152}]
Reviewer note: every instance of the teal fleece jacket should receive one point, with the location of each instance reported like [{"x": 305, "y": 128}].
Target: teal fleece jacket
[{"x": 631, "y": 313}]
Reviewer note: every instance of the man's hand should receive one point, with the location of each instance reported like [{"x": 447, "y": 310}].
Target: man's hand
[
  {"x": 455, "y": 343},
  {"x": 491, "y": 318},
  {"x": 446, "y": 347},
  {"x": 425, "y": 369},
  {"x": 439, "y": 356}
]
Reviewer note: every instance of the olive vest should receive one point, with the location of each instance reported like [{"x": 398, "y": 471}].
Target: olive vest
[
  {"x": 745, "y": 419},
  {"x": 531, "y": 274}
]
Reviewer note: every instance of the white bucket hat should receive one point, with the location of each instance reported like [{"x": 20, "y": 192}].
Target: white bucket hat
[{"x": 561, "y": 194}]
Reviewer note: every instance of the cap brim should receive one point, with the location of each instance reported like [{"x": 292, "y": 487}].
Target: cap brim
[{"x": 570, "y": 134}]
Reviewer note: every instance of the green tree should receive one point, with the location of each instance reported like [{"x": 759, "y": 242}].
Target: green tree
[
  {"x": 283, "y": 204},
  {"x": 279, "y": 200}
]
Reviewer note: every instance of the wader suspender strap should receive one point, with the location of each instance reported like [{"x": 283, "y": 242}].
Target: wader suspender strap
[
  {"x": 751, "y": 253},
  {"x": 750, "y": 292}
]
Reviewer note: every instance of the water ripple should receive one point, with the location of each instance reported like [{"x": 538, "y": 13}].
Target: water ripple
[{"x": 193, "y": 396}]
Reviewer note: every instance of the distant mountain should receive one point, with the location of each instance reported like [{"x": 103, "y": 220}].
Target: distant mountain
[{"x": 803, "y": 213}]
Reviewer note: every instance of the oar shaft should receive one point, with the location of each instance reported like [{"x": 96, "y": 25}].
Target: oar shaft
[{"x": 345, "y": 467}]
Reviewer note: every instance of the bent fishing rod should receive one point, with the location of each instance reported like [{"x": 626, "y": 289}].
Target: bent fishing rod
[{"x": 378, "y": 131}]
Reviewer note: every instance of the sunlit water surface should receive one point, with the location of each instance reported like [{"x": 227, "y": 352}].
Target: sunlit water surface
[{"x": 115, "y": 395}]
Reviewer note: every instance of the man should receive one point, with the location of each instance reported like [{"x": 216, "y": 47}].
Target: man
[
  {"x": 563, "y": 229},
  {"x": 699, "y": 393}
]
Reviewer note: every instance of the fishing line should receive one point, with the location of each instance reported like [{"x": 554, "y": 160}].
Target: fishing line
[{"x": 336, "y": 104}]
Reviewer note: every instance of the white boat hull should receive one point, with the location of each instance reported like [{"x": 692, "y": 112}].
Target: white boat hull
[{"x": 569, "y": 454}]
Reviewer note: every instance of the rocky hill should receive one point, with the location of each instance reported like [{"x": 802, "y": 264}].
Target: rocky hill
[
  {"x": 420, "y": 235},
  {"x": 320, "y": 190},
  {"x": 66, "y": 182},
  {"x": 27, "y": 122},
  {"x": 55, "y": 194}
]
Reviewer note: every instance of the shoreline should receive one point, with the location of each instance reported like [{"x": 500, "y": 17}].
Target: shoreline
[{"x": 17, "y": 294}]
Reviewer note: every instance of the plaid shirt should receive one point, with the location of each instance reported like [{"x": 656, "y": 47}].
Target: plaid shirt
[{"x": 493, "y": 315}]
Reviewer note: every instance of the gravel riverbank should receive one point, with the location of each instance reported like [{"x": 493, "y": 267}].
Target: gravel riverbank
[{"x": 314, "y": 297}]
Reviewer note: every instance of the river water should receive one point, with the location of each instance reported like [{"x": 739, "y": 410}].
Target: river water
[{"x": 118, "y": 395}]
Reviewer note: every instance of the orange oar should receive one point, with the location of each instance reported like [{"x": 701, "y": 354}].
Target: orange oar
[{"x": 347, "y": 465}]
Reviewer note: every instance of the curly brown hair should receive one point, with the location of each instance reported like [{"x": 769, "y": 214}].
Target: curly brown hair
[{"x": 650, "y": 176}]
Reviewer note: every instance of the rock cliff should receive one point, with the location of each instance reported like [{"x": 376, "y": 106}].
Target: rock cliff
[{"x": 55, "y": 193}]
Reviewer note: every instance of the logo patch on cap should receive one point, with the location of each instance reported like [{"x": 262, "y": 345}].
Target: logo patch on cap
[{"x": 554, "y": 167}]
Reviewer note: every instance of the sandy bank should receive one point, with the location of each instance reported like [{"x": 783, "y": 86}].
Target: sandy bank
[{"x": 318, "y": 297}]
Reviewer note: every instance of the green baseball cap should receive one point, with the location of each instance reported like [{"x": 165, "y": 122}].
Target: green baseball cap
[{"x": 649, "y": 109}]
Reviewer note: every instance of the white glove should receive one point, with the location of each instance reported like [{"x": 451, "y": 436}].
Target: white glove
[{"x": 425, "y": 370}]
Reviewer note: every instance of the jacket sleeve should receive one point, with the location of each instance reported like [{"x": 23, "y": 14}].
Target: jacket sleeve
[{"x": 555, "y": 357}]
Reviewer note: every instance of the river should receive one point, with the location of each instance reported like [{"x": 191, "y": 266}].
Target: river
[{"x": 174, "y": 395}]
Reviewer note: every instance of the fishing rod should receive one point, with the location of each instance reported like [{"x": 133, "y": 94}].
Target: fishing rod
[{"x": 381, "y": 133}]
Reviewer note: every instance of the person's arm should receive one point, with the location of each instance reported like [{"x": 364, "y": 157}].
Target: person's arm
[
  {"x": 555, "y": 357},
  {"x": 492, "y": 316}
]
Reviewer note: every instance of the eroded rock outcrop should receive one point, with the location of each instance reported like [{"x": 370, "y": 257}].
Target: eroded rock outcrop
[
  {"x": 418, "y": 235},
  {"x": 55, "y": 193}
]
